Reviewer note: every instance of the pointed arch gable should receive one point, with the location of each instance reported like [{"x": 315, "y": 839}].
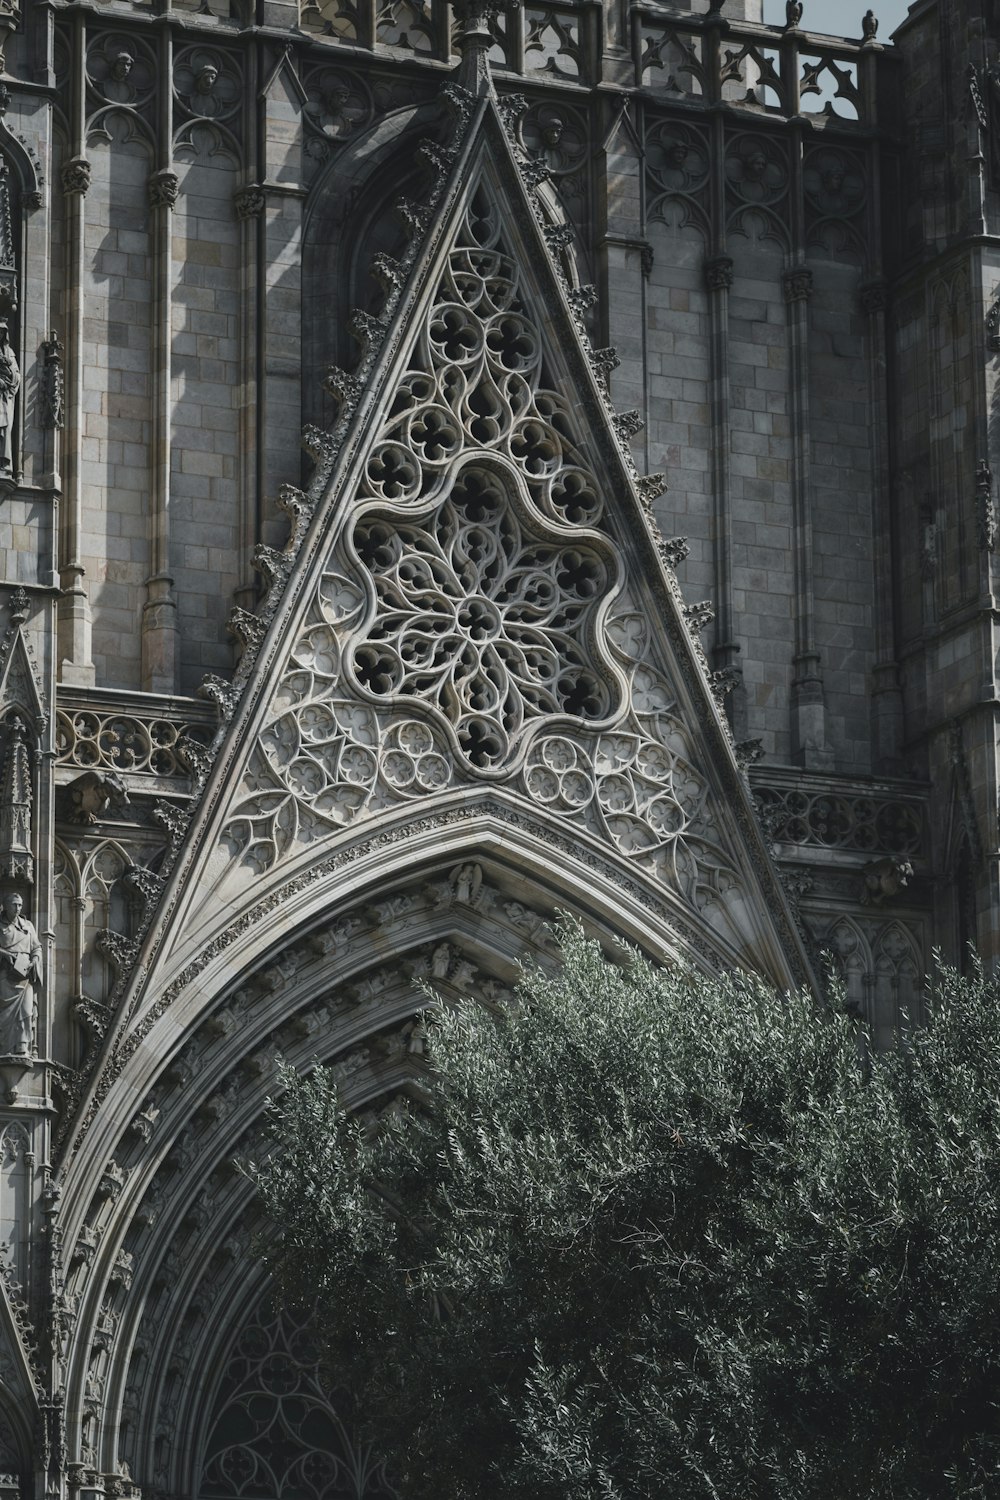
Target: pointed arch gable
[{"x": 547, "y": 721}]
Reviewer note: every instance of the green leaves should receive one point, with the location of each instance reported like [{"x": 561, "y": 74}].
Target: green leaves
[{"x": 657, "y": 1234}]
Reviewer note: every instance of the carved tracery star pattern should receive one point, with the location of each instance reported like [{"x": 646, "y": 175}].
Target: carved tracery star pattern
[{"x": 479, "y": 616}]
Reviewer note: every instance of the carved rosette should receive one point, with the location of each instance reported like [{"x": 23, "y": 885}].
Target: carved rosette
[{"x": 473, "y": 621}]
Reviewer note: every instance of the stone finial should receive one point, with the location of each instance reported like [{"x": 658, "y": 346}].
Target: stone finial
[{"x": 475, "y": 38}]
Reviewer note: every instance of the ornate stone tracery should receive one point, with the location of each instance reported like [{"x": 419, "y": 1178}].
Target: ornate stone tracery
[{"x": 275, "y": 1429}]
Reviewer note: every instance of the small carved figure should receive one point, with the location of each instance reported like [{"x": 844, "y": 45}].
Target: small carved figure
[
  {"x": 93, "y": 792},
  {"x": 10, "y": 384},
  {"x": 833, "y": 178},
  {"x": 122, "y": 66},
  {"x": 467, "y": 880},
  {"x": 755, "y": 164},
  {"x": 869, "y": 26},
  {"x": 793, "y": 14},
  {"x": 884, "y": 879},
  {"x": 440, "y": 960},
  {"x": 205, "y": 78},
  {"x": 552, "y": 131},
  {"x": 20, "y": 971}
]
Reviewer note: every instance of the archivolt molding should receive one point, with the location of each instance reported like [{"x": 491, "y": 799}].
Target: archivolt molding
[{"x": 347, "y": 992}]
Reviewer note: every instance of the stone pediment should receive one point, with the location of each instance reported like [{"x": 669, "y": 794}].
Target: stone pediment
[{"x": 476, "y": 600}]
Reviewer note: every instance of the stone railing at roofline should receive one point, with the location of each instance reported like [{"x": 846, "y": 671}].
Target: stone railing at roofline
[
  {"x": 131, "y": 734},
  {"x": 880, "y": 818},
  {"x": 674, "y": 57}
]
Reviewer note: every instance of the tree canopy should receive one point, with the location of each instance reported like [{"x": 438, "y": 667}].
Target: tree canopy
[{"x": 660, "y": 1235}]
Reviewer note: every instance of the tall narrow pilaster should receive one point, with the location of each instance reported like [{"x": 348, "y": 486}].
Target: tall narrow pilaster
[
  {"x": 75, "y": 649},
  {"x": 249, "y": 204},
  {"x": 159, "y": 613},
  {"x": 726, "y": 651},
  {"x": 886, "y": 692},
  {"x": 808, "y": 726}
]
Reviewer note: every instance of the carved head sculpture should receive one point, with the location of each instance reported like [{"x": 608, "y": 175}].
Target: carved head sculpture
[
  {"x": 678, "y": 152},
  {"x": 204, "y": 79},
  {"x": 336, "y": 99},
  {"x": 755, "y": 164},
  {"x": 552, "y": 130},
  {"x": 122, "y": 65},
  {"x": 11, "y": 904},
  {"x": 4, "y": 334},
  {"x": 833, "y": 178}
]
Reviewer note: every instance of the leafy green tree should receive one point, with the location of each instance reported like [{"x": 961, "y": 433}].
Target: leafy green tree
[{"x": 656, "y": 1235}]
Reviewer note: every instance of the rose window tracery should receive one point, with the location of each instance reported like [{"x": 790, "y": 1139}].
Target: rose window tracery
[{"x": 480, "y": 616}]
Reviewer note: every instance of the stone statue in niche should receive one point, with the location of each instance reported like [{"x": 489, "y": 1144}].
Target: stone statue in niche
[
  {"x": 10, "y": 384},
  {"x": 20, "y": 971}
]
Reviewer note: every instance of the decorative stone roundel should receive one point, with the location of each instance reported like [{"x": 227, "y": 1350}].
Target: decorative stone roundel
[{"x": 480, "y": 617}]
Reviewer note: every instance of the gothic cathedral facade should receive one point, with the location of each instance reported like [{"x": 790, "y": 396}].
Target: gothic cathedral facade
[{"x": 458, "y": 463}]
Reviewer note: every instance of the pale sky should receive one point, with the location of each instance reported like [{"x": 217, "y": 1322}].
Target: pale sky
[{"x": 838, "y": 18}]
